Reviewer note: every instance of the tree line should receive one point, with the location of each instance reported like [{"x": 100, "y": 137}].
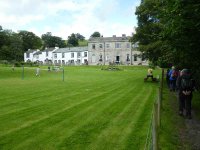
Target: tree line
[
  {"x": 168, "y": 33},
  {"x": 13, "y": 45}
]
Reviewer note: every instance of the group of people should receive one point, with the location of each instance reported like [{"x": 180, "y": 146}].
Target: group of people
[{"x": 182, "y": 82}]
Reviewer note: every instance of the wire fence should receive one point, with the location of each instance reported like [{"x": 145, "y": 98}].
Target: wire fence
[
  {"x": 28, "y": 72},
  {"x": 155, "y": 122}
]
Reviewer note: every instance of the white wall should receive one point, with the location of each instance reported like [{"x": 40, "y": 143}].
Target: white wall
[
  {"x": 30, "y": 56},
  {"x": 68, "y": 58}
]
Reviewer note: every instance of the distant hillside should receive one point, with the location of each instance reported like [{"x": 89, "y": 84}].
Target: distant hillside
[{"x": 81, "y": 42}]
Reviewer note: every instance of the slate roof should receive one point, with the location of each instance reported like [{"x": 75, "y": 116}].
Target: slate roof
[
  {"x": 71, "y": 49},
  {"x": 38, "y": 52},
  {"x": 31, "y": 51},
  {"x": 49, "y": 49},
  {"x": 109, "y": 39}
]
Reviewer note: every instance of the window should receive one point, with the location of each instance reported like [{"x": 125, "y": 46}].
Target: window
[
  {"x": 55, "y": 61},
  {"x": 128, "y": 45},
  {"x": 107, "y": 58},
  {"x": 27, "y": 55},
  {"x": 100, "y": 46},
  {"x": 79, "y": 54},
  {"x": 63, "y": 62},
  {"x": 100, "y": 57},
  {"x": 135, "y": 57},
  {"x": 85, "y": 61},
  {"x": 59, "y": 61},
  {"x": 127, "y": 57},
  {"x": 107, "y": 45},
  {"x": 117, "y": 45},
  {"x": 85, "y": 54},
  {"x": 63, "y": 55},
  {"x": 143, "y": 57},
  {"x": 93, "y": 58},
  {"x": 55, "y": 55},
  {"x": 78, "y": 61},
  {"x": 72, "y": 55},
  {"x": 47, "y": 54},
  {"x": 93, "y": 46}
]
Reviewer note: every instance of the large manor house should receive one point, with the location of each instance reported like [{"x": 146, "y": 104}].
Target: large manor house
[{"x": 100, "y": 51}]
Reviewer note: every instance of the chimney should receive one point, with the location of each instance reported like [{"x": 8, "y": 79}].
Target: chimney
[{"x": 123, "y": 35}]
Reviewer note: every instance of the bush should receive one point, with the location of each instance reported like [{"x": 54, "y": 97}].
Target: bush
[
  {"x": 4, "y": 62},
  {"x": 17, "y": 64}
]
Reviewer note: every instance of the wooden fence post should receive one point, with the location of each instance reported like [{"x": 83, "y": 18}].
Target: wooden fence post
[
  {"x": 155, "y": 127},
  {"x": 159, "y": 107},
  {"x": 162, "y": 81}
]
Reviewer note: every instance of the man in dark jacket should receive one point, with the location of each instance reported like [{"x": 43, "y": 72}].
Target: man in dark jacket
[{"x": 185, "y": 85}]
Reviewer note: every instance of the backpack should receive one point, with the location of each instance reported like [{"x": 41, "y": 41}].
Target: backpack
[
  {"x": 187, "y": 84},
  {"x": 174, "y": 74}
]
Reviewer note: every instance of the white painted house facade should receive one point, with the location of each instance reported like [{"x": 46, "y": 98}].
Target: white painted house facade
[
  {"x": 28, "y": 55},
  {"x": 43, "y": 57},
  {"x": 71, "y": 56},
  {"x": 58, "y": 56}
]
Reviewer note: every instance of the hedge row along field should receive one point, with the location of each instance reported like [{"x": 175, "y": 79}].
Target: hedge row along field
[{"x": 91, "y": 109}]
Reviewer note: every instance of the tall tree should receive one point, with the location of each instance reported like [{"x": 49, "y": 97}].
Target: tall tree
[
  {"x": 149, "y": 29},
  {"x": 16, "y": 48},
  {"x": 181, "y": 19},
  {"x": 96, "y": 34},
  {"x": 168, "y": 31},
  {"x": 30, "y": 40},
  {"x": 11, "y": 46},
  {"x": 47, "y": 40},
  {"x": 72, "y": 40},
  {"x": 182, "y": 31},
  {"x": 79, "y": 36},
  {"x": 52, "y": 41}
]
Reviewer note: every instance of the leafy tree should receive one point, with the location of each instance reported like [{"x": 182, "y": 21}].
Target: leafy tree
[
  {"x": 16, "y": 48},
  {"x": 149, "y": 29},
  {"x": 79, "y": 36},
  {"x": 47, "y": 40},
  {"x": 52, "y": 41},
  {"x": 182, "y": 30},
  {"x": 4, "y": 52},
  {"x": 11, "y": 46},
  {"x": 96, "y": 34},
  {"x": 30, "y": 40},
  {"x": 72, "y": 40},
  {"x": 168, "y": 32},
  {"x": 182, "y": 24}
]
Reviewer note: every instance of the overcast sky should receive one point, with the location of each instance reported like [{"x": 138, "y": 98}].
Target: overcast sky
[{"x": 63, "y": 17}]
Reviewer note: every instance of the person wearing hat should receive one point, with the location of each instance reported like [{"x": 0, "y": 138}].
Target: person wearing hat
[{"x": 185, "y": 85}]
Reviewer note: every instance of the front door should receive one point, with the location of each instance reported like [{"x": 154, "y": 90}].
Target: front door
[{"x": 117, "y": 59}]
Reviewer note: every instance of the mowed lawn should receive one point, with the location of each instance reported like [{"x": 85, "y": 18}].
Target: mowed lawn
[{"x": 92, "y": 109}]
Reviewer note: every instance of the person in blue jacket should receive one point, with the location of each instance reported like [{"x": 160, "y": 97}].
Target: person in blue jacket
[{"x": 173, "y": 74}]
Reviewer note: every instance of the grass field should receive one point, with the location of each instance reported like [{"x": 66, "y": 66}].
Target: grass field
[{"x": 91, "y": 109}]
